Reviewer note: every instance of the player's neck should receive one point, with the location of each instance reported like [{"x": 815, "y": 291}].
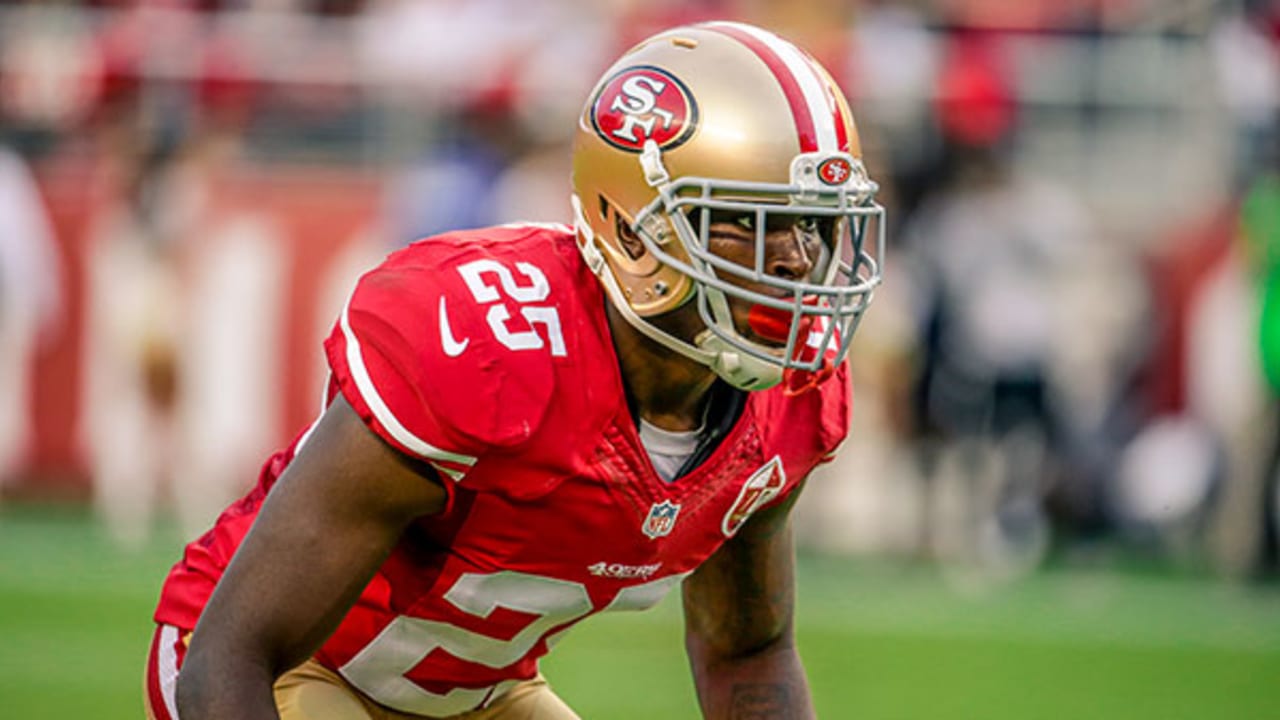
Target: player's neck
[{"x": 669, "y": 390}]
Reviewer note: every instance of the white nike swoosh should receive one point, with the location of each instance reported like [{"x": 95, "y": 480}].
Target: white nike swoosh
[{"x": 452, "y": 347}]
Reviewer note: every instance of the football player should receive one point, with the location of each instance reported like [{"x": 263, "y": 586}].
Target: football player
[{"x": 527, "y": 425}]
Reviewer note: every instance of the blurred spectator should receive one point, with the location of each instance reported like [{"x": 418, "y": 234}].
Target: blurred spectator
[
  {"x": 452, "y": 185},
  {"x": 1247, "y": 65},
  {"x": 469, "y": 128},
  {"x": 975, "y": 106},
  {"x": 1261, "y": 232},
  {"x": 471, "y": 131},
  {"x": 992, "y": 248},
  {"x": 30, "y": 302},
  {"x": 529, "y": 188},
  {"x": 51, "y": 75},
  {"x": 1181, "y": 460},
  {"x": 183, "y": 324},
  {"x": 134, "y": 316}
]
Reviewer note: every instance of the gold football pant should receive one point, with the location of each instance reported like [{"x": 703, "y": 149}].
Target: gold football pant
[{"x": 314, "y": 692}]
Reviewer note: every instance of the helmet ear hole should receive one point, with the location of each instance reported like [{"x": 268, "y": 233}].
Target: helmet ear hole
[
  {"x": 622, "y": 229},
  {"x": 627, "y": 237}
]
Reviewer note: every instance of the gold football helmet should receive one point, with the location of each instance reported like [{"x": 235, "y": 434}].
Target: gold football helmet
[{"x": 729, "y": 119}]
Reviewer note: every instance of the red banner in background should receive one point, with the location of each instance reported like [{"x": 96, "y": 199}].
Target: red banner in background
[{"x": 313, "y": 215}]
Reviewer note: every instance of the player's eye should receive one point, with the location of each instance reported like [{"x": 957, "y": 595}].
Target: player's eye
[
  {"x": 807, "y": 224},
  {"x": 745, "y": 221}
]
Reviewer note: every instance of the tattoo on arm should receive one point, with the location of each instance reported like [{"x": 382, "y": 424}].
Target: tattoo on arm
[{"x": 760, "y": 701}]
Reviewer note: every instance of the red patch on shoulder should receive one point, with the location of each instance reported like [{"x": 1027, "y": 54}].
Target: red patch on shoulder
[{"x": 763, "y": 486}]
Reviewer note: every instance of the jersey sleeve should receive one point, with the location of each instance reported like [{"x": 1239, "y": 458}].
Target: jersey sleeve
[
  {"x": 836, "y": 413},
  {"x": 809, "y": 428},
  {"x": 412, "y": 353}
]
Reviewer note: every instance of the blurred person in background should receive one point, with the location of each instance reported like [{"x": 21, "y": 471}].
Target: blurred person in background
[
  {"x": 1260, "y": 226},
  {"x": 184, "y": 298},
  {"x": 1250, "y": 71},
  {"x": 134, "y": 313},
  {"x": 528, "y": 424},
  {"x": 1192, "y": 482},
  {"x": 47, "y": 84},
  {"x": 992, "y": 248},
  {"x": 1182, "y": 469},
  {"x": 452, "y": 186},
  {"x": 461, "y": 133},
  {"x": 135, "y": 305},
  {"x": 30, "y": 302}
]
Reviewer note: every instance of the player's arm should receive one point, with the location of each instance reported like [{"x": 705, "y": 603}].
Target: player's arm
[
  {"x": 738, "y": 611},
  {"x": 325, "y": 528}
]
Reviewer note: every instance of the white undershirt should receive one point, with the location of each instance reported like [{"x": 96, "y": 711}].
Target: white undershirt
[{"x": 668, "y": 449}]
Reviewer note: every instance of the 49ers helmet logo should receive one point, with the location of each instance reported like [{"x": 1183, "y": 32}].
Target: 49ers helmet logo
[
  {"x": 644, "y": 103},
  {"x": 835, "y": 171}
]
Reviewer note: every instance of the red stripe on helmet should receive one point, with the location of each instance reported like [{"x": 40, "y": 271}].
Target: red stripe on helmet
[
  {"x": 790, "y": 86},
  {"x": 837, "y": 107}
]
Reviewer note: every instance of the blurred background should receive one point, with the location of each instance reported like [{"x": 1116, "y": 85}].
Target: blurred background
[{"x": 1059, "y": 497}]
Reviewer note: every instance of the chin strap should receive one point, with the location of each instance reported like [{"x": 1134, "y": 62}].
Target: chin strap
[
  {"x": 740, "y": 370},
  {"x": 745, "y": 372}
]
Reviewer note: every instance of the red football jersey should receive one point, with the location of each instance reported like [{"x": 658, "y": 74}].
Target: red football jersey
[{"x": 487, "y": 353}]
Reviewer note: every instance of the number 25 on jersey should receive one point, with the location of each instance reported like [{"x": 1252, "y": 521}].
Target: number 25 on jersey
[{"x": 530, "y": 289}]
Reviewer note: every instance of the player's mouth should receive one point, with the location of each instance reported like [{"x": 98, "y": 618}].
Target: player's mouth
[{"x": 771, "y": 326}]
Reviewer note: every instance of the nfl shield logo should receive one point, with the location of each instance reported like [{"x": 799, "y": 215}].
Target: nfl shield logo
[{"x": 662, "y": 518}]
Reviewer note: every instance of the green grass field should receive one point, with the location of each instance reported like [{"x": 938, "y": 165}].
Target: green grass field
[{"x": 880, "y": 642}]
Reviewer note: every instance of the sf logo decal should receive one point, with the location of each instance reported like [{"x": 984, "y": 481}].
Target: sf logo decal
[{"x": 644, "y": 103}]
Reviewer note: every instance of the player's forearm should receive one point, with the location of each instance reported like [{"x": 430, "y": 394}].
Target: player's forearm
[
  {"x": 767, "y": 684},
  {"x": 208, "y": 690}
]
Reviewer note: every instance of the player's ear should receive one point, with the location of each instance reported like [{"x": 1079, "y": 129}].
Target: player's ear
[{"x": 627, "y": 237}]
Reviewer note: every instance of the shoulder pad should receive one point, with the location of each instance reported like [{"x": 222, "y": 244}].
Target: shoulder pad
[{"x": 447, "y": 348}]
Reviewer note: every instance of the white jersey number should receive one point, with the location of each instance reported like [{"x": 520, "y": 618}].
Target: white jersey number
[
  {"x": 379, "y": 669},
  {"x": 535, "y": 291}
]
